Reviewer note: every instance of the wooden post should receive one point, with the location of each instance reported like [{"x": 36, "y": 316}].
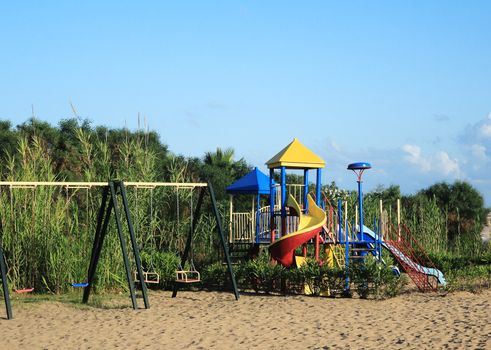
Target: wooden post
[
  {"x": 231, "y": 212},
  {"x": 381, "y": 222},
  {"x": 252, "y": 222}
]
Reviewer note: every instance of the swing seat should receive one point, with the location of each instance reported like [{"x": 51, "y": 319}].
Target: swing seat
[
  {"x": 187, "y": 276},
  {"x": 148, "y": 277},
  {"x": 79, "y": 285},
  {"x": 25, "y": 290}
]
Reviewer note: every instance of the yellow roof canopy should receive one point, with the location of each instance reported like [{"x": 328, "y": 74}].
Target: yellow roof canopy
[{"x": 296, "y": 155}]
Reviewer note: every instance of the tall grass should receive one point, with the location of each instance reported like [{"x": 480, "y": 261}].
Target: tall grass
[
  {"x": 427, "y": 222},
  {"x": 47, "y": 232}
]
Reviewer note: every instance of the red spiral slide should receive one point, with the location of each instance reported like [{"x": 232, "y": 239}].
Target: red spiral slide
[{"x": 309, "y": 225}]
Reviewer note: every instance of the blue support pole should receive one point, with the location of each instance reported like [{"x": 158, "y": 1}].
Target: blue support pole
[
  {"x": 360, "y": 206},
  {"x": 346, "y": 254},
  {"x": 258, "y": 206},
  {"x": 272, "y": 195},
  {"x": 318, "y": 187},
  {"x": 379, "y": 240},
  {"x": 358, "y": 169},
  {"x": 283, "y": 201},
  {"x": 305, "y": 190},
  {"x": 375, "y": 230}
]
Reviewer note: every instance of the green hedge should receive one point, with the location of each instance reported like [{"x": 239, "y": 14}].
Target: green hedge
[{"x": 371, "y": 279}]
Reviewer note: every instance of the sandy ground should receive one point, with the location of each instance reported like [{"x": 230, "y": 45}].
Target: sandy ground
[{"x": 211, "y": 320}]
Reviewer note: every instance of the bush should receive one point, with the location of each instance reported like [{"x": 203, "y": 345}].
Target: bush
[
  {"x": 322, "y": 279},
  {"x": 376, "y": 279},
  {"x": 449, "y": 262},
  {"x": 261, "y": 275},
  {"x": 215, "y": 276},
  {"x": 293, "y": 281},
  {"x": 164, "y": 263},
  {"x": 469, "y": 278},
  {"x": 333, "y": 279}
]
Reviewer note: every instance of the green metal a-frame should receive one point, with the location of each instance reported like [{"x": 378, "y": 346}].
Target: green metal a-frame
[
  {"x": 5, "y": 286},
  {"x": 112, "y": 190},
  {"x": 223, "y": 242}
]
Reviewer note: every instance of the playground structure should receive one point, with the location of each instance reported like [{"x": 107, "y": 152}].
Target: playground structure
[
  {"x": 114, "y": 196},
  {"x": 296, "y": 221}
]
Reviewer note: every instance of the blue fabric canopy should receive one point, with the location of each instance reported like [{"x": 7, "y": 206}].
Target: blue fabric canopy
[{"x": 254, "y": 182}]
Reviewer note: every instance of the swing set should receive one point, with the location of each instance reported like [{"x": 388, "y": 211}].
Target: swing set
[{"x": 114, "y": 192}]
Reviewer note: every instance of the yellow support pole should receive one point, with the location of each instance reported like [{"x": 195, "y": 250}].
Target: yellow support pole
[{"x": 328, "y": 250}]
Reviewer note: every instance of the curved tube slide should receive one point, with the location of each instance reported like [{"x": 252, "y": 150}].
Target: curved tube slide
[{"x": 309, "y": 225}]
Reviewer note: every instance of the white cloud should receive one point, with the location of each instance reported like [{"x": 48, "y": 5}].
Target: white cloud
[
  {"x": 486, "y": 130},
  {"x": 479, "y": 151},
  {"x": 440, "y": 162},
  {"x": 413, "y": 156},
  {"x": 445, "y": 165}
]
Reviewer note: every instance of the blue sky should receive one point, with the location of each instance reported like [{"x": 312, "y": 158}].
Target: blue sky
[{"x": 404, "y": 85}]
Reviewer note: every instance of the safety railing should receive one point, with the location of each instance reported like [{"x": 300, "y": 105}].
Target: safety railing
[
  {"x": 242, "y": 227},
  {"x": 412, "y": 257}
]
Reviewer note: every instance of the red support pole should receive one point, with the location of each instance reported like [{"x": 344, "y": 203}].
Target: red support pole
[
  {"x": 317, "y": 247},
  {"x": 304, "y": 250}
]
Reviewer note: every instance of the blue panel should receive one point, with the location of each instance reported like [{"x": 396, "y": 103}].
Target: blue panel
[{"x": 359, "y": 166}]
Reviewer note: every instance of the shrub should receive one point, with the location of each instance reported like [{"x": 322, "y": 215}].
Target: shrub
[
  {"x": 261, "y": 275},
  {"x": 164, "y": 263},
  {"x": 215, "y": 276},
  {"x": 322, "y": 279},
  {"x": 374, "y": 278},
  {"x": 333, "y": 279}
]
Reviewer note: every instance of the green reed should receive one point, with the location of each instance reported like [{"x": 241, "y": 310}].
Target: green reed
[{"x": 47, "y": 232}]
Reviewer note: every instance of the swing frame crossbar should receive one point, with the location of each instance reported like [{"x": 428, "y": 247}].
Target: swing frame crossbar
[{"x": 84, "y": 185}]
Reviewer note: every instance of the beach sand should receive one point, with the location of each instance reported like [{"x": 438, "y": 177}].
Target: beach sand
[{"x": 213, "y": 320}]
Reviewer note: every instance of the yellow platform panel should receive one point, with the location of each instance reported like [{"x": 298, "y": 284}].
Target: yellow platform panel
[{"x": 296, "y": 155}]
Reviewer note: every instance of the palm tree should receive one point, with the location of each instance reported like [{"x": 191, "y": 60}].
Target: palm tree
[{"x": 220, "y": 157}]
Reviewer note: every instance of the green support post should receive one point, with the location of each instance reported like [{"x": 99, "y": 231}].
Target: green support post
[
  {"x": 102, "y": 222},
  {"x": 112, "y": 189},
  {"x": 6, "y": 297},
  {"x": 122, "y": 241},
  {"x": 134, "y": 246},
  {"x": 222, "y": 240}
]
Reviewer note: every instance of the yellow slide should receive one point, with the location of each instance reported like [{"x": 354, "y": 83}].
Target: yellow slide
[{"x": 309, "y": 226}]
